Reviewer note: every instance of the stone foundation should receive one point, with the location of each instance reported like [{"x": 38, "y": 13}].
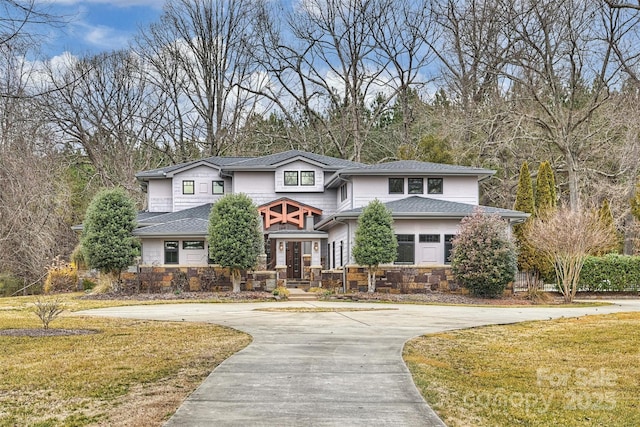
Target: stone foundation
[
  {"x": 391, "y": 279},
  {"x": 209, "y": 279},
  {"x": 404, "y": 279}
]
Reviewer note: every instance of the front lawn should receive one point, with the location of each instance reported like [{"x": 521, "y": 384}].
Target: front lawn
[
  {"x": 567, "y": 372},
  {"x": 130, "y": 372}
]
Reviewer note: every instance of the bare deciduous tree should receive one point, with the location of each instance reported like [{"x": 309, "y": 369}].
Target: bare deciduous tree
[
  {"x": 205, "y": 47},
  {"x": 563, "y": 73},
  {"x": 33, "y": 195},
  {"x": 47, "y": 310},
  {"x": 104, "y": 106},
  {"x": 567, "y": 237},
  {"x": 336, "y": 70}
]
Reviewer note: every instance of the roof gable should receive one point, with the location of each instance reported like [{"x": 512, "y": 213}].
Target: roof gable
[
  {"x": 274, "y": 161},
  {"x": 216, "y": 162}
]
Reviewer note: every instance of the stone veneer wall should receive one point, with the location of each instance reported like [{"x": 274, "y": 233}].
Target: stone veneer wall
[
  {"x": 404, "y": 279},
  {"x": 213, "y": 278},
  {"x": 391, "y": 279}
]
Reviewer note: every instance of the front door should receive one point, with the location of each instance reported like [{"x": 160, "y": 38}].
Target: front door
[{"x": 294, "y": 260}]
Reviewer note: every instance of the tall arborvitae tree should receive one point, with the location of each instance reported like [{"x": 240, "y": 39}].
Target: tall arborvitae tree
[
  {"x": 524, "y": 203},
  {"x": 376, "y": 242},
  {"x": 545, "y": 190},
  {"x": 235, "y": 239},
  {"x": 606, "y": 217},
  {"x": 545, "y": 204}
]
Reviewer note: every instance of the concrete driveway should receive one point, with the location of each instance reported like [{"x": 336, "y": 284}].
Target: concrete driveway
[{"x": 325, "y": 369}]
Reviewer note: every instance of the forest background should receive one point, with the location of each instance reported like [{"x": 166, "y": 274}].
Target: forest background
[{"x": 488, "y": 83}]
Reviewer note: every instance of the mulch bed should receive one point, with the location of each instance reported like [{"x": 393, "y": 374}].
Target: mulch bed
[
  {"x": 441, "y": 297},
  {"x": 41, "y": 332},
  {"x": 430, "y": 297},
  {"x": 169, "y": 296}
]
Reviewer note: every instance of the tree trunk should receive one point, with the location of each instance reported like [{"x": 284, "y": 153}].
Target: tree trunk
[
  {"x": 235, "y": 280},
  {"x": 371, "y": 280},
  {"x": 572, "y": 178}
]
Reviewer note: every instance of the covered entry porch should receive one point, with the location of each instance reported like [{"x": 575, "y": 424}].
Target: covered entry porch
[
  {"x": 294, "y": 248},
  {"x": 296, "y": 256}
]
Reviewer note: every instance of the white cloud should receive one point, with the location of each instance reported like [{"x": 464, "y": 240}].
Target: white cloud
[{"x": 103, "y": 36}]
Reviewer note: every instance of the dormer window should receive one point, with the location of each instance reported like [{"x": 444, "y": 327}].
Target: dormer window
[
  {"x": 307, "y": 178},
  {"x": 396, "y": 185},
  {"x": 416, "y": 186},
  {"x": 188, "y": 187},
  {"x": 290, "y": 178},
  {"x": 434, "y": 185}
]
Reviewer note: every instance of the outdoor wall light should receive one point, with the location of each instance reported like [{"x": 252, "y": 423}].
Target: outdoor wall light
[
  {"x": 281, "y": 246},
  {"x": 315, "y": 246}
]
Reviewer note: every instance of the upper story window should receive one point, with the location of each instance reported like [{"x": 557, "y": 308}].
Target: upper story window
[
  {"x": 396, "y": 185},
  {"x": 434, "y": 185},
  {"x": 416, "y": 186},
  {"x": 217, "y": 187},
  {"x": 343, "y": 192},
  {"x": 290, "y": 177},
  {"x": 307, "y": 178},
  {"x": 188, "y": 187}
]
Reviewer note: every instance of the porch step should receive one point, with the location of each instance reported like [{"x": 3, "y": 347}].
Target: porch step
[
  {"x": 298, "y": 284},
  {"x": 296, "y": 294}
]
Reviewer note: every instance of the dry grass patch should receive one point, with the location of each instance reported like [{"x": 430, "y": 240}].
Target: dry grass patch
[
  {"x": 568, "y": 372},
  {"x": 131, "y": 372}
]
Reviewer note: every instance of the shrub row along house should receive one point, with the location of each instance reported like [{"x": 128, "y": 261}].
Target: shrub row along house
[{"x": 309, "y": 205}]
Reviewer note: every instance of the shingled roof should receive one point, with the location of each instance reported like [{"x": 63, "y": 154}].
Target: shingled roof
[
  {"x": 273, "y": 160},
  {"x": 200, "y": 212},
  {"x": 182, "y": 227},
  {"x": 216, "y": 161},
  {"x": 425, "y": 207},
  {"x": 193, "y": 221}
]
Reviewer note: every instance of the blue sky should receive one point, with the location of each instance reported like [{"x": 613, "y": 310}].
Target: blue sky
[{"x": 98, "y": 25}]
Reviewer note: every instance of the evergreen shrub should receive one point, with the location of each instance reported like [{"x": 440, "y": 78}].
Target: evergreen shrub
[
  {"x": 9, "y": 285},
  {"x": 484, "y": 258},
  {"x": 610, "y": 273}
]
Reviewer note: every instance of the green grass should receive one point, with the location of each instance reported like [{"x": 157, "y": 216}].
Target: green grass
[
  {"x": 131, "y": 372},
  {"x": 568, "y": 372}
]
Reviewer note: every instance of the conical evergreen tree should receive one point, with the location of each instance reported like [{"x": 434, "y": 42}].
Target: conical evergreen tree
[
  {"x": 635, "y": 203},
  {"x": 524, "y": 203},
  {"x": 545, "y": 199},
  {"x": 606, "y": 217},
  {"x": 524, "y": 193}
]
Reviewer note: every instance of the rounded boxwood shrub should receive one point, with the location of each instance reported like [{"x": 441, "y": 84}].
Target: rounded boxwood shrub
[{"x": 484, "y": 257}]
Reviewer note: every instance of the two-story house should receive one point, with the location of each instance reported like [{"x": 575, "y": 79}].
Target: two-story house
[{"x": 310, "y": 205}]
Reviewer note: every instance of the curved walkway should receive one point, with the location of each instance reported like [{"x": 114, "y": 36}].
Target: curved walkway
[{"x": 325, "y": 369}]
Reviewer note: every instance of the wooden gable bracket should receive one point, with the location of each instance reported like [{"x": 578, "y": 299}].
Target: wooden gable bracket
[{"x": 286, "y": 211}]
